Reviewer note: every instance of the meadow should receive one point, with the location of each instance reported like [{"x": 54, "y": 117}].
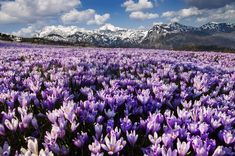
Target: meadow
[{"x": 94, "y": 101}]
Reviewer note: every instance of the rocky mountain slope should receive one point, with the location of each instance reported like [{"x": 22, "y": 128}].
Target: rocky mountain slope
[
  {"x": 167, "y": 36},
  {"x": 175, "y": 35}
]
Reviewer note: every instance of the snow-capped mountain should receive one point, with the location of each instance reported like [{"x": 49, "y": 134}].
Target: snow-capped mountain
[
  {"x": 167, "y": 36},
  {"x": 175, "y": 35},
  {"x": 211, "y": 27},
  {"x": 170, "y": 28},
  {"x": 217, "y": 27},
  {"x": 107, "y": 35}
]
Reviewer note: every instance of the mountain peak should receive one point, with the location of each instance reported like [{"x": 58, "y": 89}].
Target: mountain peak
[
  {"x": 171, "y": 28},
  {"x": 59, "y": 30}
]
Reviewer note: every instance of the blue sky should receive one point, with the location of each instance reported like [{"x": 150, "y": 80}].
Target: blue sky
[
  {"x": 120, "y": 16},
  {"x": 28, "y": 16}
]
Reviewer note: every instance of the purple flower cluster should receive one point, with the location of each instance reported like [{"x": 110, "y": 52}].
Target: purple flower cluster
[{"x": 65, "y": 101}]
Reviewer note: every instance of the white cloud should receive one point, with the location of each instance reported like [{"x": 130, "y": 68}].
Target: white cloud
[
  {"x": 183, "y": 13},
  {"x": 88, "y": 16},
  {"x": 26, "y": 32},
  {"x": 157, "y": 23},
  {"x": 177, "y": 16},
  {"x": 224, "y": 14},
  {"x": 30, "y": 30},
  {"x": 5, "y": 18},
  {"x": 130, "y": 5},
  {"x": 29, "y": 11},
  {"x": 190, "y": 12},
  {"x": 202, "y": 16},
  {"x": 208, "y": 4},
  {"x": 139, "y": 15},
  {"x": 99, "y": 19},
  {"x": 78, "y": 16},
  {"x": 169, "y": 14},
  {"x": 136, "y": 9},
  {"x": 175, "y": 19},
  {"x": 111, "y": 27}
]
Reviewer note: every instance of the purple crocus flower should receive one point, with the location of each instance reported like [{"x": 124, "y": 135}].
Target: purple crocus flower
[
  {"x": 183, "y": 114},
  {"x": 154, "y": 122},
  {"x": 57, "y": 131},
  {"x": 101, "y": 106},
  {"x": 24, "y": 99},
  {"x": 117, "y": 132},
  {"x": 98, "y": 130},
  {"x": 155, "y": 149},
  {"x": 9, "y": 115},
  {"x": 215, "y": 123},
  {"x": 74, "y": 126},
  {"x": 203, "y": 128},
  {"x": 182, "y": 147},
  {"x": 168, "y": 152},
  {"x": 33, "y": 148},
  {"x": 95, "y": 148},
  {"x": 80, "y": 140},
  {"x": 132, "y": 137},
  {"x": 219, "y": 151},
  {"x": 196, "y": 142},
  {"x": 193, "y": 127},
  {"x": 33, "y": 85},
  {"x": 50, "y": 140},
  {"x": 187, "y": 105},
  {"x": 5, "y": 150},
  {"x": 26, "y": 118},
  {"x": 202, "y": 150},
  {"x": 168, "y": 138},
  {"x": 110, "y": 113},
  {"x": 154, "y": 138},
  {"x": 12, "y": 124},
  {"x": 228, "y": 136},
  {"x": 126, "y": 124},
  {"x": 113, "y": 145},
  {"x": 144, "y": 96}
]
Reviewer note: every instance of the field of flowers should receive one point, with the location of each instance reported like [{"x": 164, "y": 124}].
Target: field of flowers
[{"x": 88, "y": 101}]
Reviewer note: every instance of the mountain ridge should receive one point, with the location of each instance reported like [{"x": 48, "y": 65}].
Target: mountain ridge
[
  {"x": 164, "y": 36},
  {"x": 156, "y": 37}
]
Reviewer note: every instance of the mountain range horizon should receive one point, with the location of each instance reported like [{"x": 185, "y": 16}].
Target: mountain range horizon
[{"x": 161, "y": 36}]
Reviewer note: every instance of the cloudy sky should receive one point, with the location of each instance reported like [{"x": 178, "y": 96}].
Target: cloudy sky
[{"x": 26, "y": 16}]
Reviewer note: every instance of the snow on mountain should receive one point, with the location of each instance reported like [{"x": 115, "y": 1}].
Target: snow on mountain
[
  {"x": 170, "y": 28},
  {"x": 105, "y": 35},
  {"x": 212, "y": 27},
  {"x": 217, "y": 27},
  {"x": 63, "y": 31},
  {"x": 121, "y": 33},
  {"x": 109, "y": 35},
  {"x": 176, "y": 35}
]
